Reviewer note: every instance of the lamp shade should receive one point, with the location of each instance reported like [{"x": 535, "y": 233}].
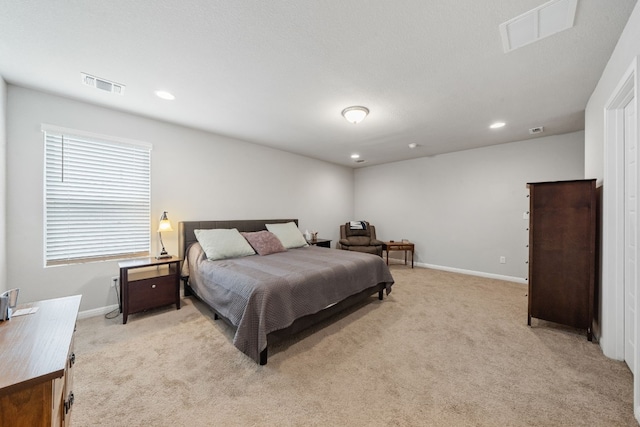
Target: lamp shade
[
  {"x": 165, "y": 224},
  {"x": 355, "y": 114}
]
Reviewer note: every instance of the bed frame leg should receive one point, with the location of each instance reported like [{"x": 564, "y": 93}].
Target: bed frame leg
[
  {"x": 263, "y": 357},
  {"x": 187, "y": 288},
  {"x": 380, "y": 295},
  {"x": 215, "y": 316}
]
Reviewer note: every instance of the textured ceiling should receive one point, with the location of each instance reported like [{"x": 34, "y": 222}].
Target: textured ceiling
[{"x": 278, "y": 73}]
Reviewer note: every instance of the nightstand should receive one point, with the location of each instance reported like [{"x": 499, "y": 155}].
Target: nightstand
[
  {"x": 147, "y": 283},
  {"x": 324, "y": 243},
  {"x": 404, "y": 245}
]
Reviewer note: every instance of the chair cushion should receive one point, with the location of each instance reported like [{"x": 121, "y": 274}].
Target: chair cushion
[
  {"x": 349, "y": 232},
  {"x": 376, "y": 250},
  {"x": 359, "y": 240}
]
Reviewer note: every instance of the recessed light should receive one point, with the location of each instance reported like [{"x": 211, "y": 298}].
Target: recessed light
[
  {"x": 497, "y": 125},
  {"x": 355, "y": 156},
  {"x": 165, "y": 95},
  {"x": 413, "y": 145}
]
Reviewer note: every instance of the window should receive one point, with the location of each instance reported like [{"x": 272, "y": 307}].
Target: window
[{"x": 97, "y": 197}]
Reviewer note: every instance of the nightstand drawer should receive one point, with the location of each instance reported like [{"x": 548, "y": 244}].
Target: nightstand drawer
[{"x": 150, "y": 293}]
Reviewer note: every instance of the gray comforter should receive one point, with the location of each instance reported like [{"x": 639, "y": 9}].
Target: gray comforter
[{"x": 262, "y": 294}]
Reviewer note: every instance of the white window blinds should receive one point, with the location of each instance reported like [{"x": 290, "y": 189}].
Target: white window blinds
[{"x": 97, "y": 198}]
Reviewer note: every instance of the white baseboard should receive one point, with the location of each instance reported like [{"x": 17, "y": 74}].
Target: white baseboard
[
  {"x": 474, "y": 273},
  {"x": 108, "y": 309},
  {"x": 97, "y": 311}
]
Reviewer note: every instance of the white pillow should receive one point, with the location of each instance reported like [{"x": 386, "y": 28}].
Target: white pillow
[
  {"x": 222, "y": 243},
  {"x": 288, "y": 234}
]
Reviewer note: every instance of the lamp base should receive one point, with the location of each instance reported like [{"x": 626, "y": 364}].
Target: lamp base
[{"x": 164, "y": 256}]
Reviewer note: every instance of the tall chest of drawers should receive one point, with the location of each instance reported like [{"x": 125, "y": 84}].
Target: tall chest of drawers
[
  {"x": 36, "y": 360},
  {"x": 562, "y": 252}
]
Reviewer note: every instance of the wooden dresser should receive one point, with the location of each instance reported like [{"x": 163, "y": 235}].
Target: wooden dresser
[
  {"x": 562, "y": 244},
  {"x": 36, "y": 364}
]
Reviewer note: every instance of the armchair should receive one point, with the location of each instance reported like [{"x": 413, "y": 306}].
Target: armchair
[{"x": 361, "y": 240}]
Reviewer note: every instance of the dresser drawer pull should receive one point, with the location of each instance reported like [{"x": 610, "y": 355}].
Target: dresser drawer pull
[
  {"x": 69, "y": 403},
  {"x": 153, "y": 286}
]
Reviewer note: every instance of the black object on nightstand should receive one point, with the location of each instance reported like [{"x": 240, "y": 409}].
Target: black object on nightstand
[
  {"x": 147, "y": 283},
  {"x": 324, "y": 243}
]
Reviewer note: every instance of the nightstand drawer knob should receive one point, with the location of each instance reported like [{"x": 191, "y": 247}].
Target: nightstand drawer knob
[{"x": 153, "y": 286}]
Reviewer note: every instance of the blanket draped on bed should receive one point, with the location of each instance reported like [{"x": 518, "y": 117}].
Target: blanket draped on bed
[{"x": 262, "y": 294}]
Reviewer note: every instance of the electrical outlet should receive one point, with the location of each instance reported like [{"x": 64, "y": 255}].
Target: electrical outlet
[
  {"x": 114, "y": 281},
  {"x": 503, "y": 260}
]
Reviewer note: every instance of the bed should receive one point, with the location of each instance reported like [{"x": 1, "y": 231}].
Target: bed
[{"x": 269, "y": 297}]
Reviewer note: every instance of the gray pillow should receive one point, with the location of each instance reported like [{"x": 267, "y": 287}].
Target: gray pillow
[
  {"x": 222, "y": 243},
  {"x": 289, "y": 234}
]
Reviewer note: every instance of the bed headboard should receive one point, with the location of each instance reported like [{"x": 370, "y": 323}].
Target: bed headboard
[{"x": 187, "y": 236}]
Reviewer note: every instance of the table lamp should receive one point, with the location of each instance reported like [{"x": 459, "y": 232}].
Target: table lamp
[{"x": 164, "y": 225}]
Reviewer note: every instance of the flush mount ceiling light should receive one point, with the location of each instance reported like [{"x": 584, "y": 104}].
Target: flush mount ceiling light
[
  {"x": 497, "y": 125},
  {"x": 355, "y": 114},
  {"x": 165, "y": 95},
  {"x": 355, "y": 156}
]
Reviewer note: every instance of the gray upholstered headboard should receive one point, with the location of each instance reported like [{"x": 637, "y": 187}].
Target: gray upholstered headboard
[{"x": 187, "y": 236}]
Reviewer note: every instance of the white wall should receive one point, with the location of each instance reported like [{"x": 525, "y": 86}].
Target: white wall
[
  {"x": 627, "y": 48},
  {"x": 464, "y": 210},
  {"x": 612, "y": 300},
  {"x": 195, "y": 176},
  {"x": 3, "y": 188}
]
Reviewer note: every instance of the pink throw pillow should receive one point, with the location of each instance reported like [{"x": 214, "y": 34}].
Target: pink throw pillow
[{"x": 264, "y": 242}]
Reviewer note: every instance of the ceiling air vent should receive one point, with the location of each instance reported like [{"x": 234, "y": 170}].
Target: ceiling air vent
[
  {"x": 536, "y": 130},
  {"x": 102, "y": 84},
  {"x": 543, "y": 21}
]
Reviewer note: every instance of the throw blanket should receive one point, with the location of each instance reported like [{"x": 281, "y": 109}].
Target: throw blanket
[
  {"x": 262, "y": 294},
  {"x": 357, "y": 225}
]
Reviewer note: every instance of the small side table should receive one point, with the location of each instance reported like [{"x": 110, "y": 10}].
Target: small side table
[
  {"x": 147, "y": 283},
  {"x": 324, "y": 243},
  {"x": 399, "y": 246}
]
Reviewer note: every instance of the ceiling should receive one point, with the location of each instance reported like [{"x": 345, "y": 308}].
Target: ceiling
[{"x": 278, "y": 73}]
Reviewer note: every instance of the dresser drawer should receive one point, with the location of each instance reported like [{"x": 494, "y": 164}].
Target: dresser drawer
[{"x": 153, "y": 292}]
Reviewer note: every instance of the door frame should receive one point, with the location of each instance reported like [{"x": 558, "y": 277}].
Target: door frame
[{"x": 612, "y": 289}]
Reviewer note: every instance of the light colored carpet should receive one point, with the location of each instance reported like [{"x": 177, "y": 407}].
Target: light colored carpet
[{"x": 443, "y": 349}]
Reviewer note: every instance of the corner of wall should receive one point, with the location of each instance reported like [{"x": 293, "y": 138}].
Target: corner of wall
[{"x": 3, "y": 185}]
